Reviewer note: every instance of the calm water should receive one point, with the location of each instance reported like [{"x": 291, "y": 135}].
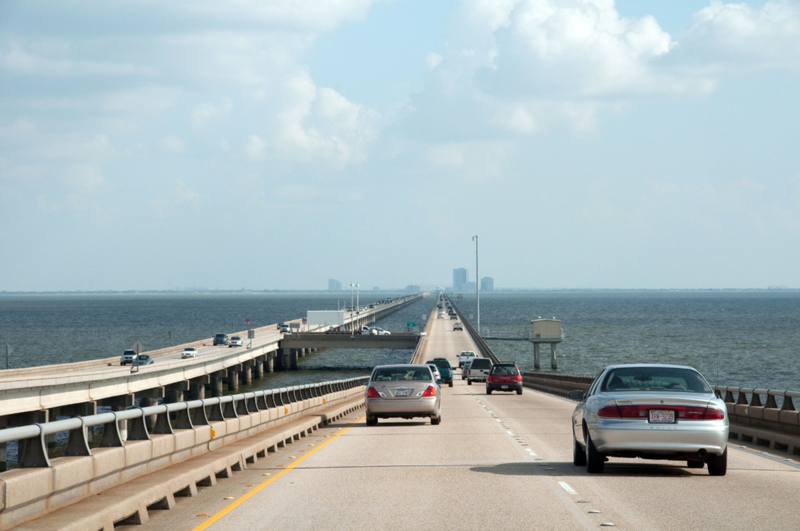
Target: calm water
[
  {"x": 749, "y": 339},
  {"x": 737, "y": 338}
]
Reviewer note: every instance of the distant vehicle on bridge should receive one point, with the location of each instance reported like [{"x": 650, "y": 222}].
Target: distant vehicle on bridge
[
  {"x": 221, "y": 339},
  {"x": 458, "y": 327},
  {"x": 145, "y": 359},
  {"x": 504, "y": 377},
  {"x": 236, "y": 341},
  {"x": 128, "y": 355},
  {"x": 651, "y": 412},
  {"x": 189, "y": 352},
  {"x": 284, "y": 327}
]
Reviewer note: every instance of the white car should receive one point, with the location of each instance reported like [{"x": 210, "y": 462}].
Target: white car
[
  {"x": 189, "y": 352},
  {"x": 236, "y": 341}
]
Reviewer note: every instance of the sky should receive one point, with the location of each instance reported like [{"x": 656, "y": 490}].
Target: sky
[{"x": 637, "y": 144}]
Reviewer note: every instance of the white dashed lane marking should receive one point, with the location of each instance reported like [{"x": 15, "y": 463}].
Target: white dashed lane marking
[{"x": 566, "y": 487}]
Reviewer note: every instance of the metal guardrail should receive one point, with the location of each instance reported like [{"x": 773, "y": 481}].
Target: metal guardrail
[{"x": 188, "y": 414}]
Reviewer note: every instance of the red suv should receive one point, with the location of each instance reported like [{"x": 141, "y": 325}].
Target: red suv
[{"x": 504, "y": 377}]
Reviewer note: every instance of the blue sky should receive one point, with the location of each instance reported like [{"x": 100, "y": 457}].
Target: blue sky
[{"x": 590, "y": 144}]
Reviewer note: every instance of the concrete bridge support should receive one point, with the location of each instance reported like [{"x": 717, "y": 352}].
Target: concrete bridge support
[
  {"x": 120, "y": 403},
  {"x": 217, "y": 380},
  {"x": 269, "y": 365},
  {"x": 293, "y": 359},
  {"x": 147, "y": 398},
  {"x": 247, "y": 372},
  {"x": 536, "y": 364},
  {"x": 233, "y": 378},
  {"x": 176, "y": 392},
  {"x": 259, "y": 368},
  {"x": 197, "y": 387},
  {"x": 553, "y": 360}
]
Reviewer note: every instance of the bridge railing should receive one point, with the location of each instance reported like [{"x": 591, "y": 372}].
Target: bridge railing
[{"x": 186, "y": 414}]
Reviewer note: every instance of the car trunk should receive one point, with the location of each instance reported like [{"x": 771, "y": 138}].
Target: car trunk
[{"x": 402, "y": 390}]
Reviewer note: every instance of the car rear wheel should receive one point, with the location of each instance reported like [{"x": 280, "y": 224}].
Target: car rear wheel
[
  {"x": 436, "y": 420},
  {"x": 695, "y": 464},
  {"x": 469, "y": 382},
  {"x": 372, "y": 421},
  {"x": 718, "y": 464},
  {"x": 450, "y": 384},
  {"x": 595, "y": 461},
  {"x": 578, "y": 454},
  {"x": 519, "y": 391},
  {"x": 488, "y": 391}
]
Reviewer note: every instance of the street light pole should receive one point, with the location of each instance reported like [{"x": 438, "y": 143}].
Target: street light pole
[
  {"x": 358, "y": 304},
  {"x": 477, "y": 283},
  {"x": 351, "y": 304}
]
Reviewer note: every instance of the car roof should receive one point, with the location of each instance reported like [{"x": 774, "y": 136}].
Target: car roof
[
  {"x": 621, "y": 365},
  {"x": 401, "y": 365}
]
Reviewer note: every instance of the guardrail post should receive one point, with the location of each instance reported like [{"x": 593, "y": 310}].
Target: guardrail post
[
  {"x": 241, "y": 407},
  {"x": 270, "y": 399},
  {"x": 199, "y": 417},
  {"x": 78, "y": 443},
  {"x": 251, "y": 404},
  {"x": 261, "y": 401},
  {"x": 35, "y": 453},
  {"x": 112, "y": 438},
  {"x": 229, "y": 410},
  {"x": 163, "y": 425},
  {"x": 216, "y": 413},
  {"x": 183, "y": 421},
  {"x": 138, "y": 431}
]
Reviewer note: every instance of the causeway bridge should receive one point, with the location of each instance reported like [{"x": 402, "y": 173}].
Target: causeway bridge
[{"x": 303, "y": 458}]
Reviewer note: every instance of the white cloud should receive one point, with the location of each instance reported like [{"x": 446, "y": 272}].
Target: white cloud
[
  {"x": 432, "y": 60},
  {"x": 18, "y": 60},
  {"x": 205, "y": 112},
  {"x": 737, "y": 37},
  {"x": 172, "y": 145},
  {"x": 255, "y": 148}
]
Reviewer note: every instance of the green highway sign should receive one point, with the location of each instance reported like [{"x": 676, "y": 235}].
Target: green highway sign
[{"x": 411, "y": 323}]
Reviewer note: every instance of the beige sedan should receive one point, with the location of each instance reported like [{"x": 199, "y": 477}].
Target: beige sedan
[{"x": 403, "y": 391}]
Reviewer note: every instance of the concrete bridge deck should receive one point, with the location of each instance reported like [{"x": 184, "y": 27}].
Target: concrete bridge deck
[
  {"x": 38, "y": 394},
  {"x": 495, "y": 462}
]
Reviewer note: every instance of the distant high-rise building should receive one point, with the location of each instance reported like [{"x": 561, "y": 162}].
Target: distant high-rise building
[
  {"x": 487, "y": 284},
  {"x": 413, "y": 289},
  {"x": 334, "y": 285},
  {"x": 460, "y": 278}
]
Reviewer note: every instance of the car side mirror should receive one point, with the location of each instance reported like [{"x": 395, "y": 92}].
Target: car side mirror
[{"x": 577, "y": 394}]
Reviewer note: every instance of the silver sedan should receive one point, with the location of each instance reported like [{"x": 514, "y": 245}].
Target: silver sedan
[
  {"x": 650, "y": 412},
  {"x": 403, "y": 391}
]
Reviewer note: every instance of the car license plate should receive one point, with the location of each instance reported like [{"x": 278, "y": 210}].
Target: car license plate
[
  {"x": 503, "y": 387},
  {"x": 401, "y": 392},
  {"x": 662, "y": 415}
]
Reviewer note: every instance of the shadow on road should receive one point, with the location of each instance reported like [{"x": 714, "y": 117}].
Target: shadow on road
[{"x": 560, "y": 468}]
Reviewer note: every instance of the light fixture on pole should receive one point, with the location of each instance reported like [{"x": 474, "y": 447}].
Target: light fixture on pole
[{"x": 477, "y": 283}]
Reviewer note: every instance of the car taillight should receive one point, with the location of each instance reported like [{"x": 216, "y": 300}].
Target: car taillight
[
  {"x": 609, "y": 412},
  {"x": 519, "y": 377},
  {"x": 372, "y": 393},
  {"x": 430, "y": 391},
  {"x": 713, "y": 413},
  {"x": 489, "y": 379}
]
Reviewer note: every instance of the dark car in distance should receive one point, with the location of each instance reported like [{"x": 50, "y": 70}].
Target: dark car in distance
[
  {"x": 221, "y": 339},
  {"x": 445, "y": 370},
  {"x": 504, "y": 377}
]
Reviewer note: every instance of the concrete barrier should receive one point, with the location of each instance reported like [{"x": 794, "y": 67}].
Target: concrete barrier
[{"x": 47, "y": 485}]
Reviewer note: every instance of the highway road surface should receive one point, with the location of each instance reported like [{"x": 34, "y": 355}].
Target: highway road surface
[{"x": 495, "y": 462}]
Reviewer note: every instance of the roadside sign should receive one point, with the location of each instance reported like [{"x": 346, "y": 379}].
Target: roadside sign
[
  {"x": 305, "y": 320},
  {"x": 411, "y": 323},
  {"x": 138, "y": 348},
  {"x": 247, "y": 320}
]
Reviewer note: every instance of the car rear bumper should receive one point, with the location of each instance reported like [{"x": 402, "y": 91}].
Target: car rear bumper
[
  {"x": 418, "y": 407},
  {"x": 610, "y": 436},
  {"x": 504, "y": 387}
]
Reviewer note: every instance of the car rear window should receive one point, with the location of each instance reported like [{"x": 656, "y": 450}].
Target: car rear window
[
  {"x": 401, "y": 373},
  {"x": 504, "y": 369},
  {"x": 444, "y": 364},
  {"x": 481, "y": 363},
  {"x": 655, "y": 379}
]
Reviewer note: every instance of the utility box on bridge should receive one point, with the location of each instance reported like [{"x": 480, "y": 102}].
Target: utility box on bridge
[
  {"x": 325, "y": 318},
  {"x": 546, "y": 331}
]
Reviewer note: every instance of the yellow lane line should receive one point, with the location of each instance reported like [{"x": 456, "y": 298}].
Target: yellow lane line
[{"x": 253, "y": 491}]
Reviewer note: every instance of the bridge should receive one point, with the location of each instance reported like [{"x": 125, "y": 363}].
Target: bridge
[{"x": 303, "y": 458}]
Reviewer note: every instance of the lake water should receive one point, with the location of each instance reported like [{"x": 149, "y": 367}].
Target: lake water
[{"x": 736, "y": 338}]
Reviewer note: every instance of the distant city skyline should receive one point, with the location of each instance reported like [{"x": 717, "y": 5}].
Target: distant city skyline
[{"x": 590, "y": 144}]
